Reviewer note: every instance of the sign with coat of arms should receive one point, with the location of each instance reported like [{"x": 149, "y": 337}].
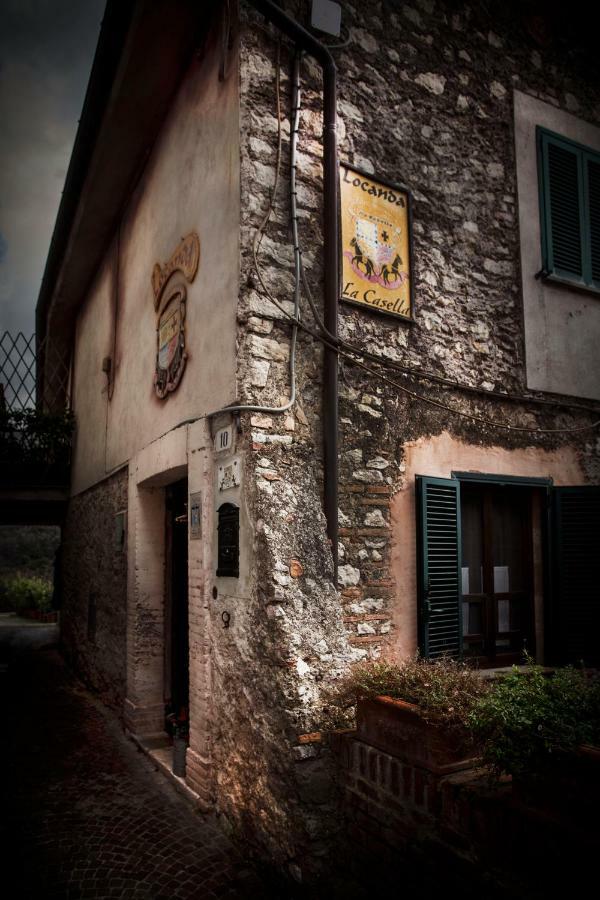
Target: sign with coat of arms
[
  {"x": 169, "y": 288},
  {"x": 376, "y": 244}
]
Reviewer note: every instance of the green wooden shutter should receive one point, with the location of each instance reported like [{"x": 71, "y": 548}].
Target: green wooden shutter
[
  {"x": 569, "y": 183},
  {"x": 439, "y": 553},
  {"x": 562, "y": 206},
  {"x": 593, "y": 194},
  {"x": 575, "y": 583}
]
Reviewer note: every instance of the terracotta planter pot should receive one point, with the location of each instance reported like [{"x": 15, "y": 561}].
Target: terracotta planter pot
[{"x": 398, "y": 728}]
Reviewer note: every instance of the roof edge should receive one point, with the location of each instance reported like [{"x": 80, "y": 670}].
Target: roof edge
[{"x": 116, "y": 22}]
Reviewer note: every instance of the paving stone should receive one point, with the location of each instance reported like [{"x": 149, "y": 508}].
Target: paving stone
[{"x": 86, "y": 815}]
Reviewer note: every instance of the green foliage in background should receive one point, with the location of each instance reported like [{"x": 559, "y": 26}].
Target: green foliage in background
[
  {"x": 530, "y": 719},
  {"x": 20, "y": 592},
  {"x": 44, "y": 434},
  {"x": 35, "y": 447},
  {"x": 28, "y": 550}
]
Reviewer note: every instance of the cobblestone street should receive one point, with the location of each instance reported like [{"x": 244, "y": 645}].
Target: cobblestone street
[{"x": 85, "y": 814}]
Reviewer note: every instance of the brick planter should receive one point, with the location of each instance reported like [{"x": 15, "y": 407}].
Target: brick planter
[
  {"x": 399, "y": 728},
  {"x": 571, "y": 785}
]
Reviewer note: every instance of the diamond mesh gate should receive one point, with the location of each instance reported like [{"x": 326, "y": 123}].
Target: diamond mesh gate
[
  {"x": 18, "y": 374},
  {"x": 35, "y": 431}
]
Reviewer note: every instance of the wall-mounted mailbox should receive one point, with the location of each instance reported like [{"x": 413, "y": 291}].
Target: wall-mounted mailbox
[{"x": 228, "y": 556}]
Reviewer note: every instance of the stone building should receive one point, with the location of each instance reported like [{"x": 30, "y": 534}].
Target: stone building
[{"x": 206, "y": 566}]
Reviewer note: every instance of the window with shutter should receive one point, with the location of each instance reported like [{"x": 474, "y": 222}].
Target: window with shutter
[
  {"x": 440, "y": 623},
  {"x": 478, "y": 538},
  {"x": 569, "y": 177},
  {"x": 575, "y": 607}
]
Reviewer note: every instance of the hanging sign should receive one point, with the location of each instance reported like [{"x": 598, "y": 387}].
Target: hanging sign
[
  {"x": 169, "y": 289},
  {"x": 375, "y": 244}
]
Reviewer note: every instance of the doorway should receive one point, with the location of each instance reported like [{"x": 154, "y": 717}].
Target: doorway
[{"x": 177, "y": 673}]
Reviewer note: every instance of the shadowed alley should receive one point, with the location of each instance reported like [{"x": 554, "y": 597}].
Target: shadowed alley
[{"x": 86, "y": 816}]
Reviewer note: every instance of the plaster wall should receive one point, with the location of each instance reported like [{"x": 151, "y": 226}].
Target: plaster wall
[
  {"x": 190, "y": 183},
  {"x": 562, "y": 326},
  {"x": 438, "y": 457},
  {"x": 92, "y": 343}
]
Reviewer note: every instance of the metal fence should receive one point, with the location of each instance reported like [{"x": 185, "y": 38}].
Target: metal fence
[
  {"x": 18, "y": 375},
  {"x": 35, "y": 431}
]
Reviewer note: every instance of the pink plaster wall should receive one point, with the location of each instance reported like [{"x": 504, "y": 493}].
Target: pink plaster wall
[
  {"x": 438, "y": 457},
  {"x": 191, "y": 183}
]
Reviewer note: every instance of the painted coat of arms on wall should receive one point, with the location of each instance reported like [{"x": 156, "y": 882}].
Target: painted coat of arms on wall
[
  {"x": 376, "y": 244},
  {"x": 169, "y": 288}
]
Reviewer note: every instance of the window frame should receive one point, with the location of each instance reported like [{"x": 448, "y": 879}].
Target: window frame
[
  {"x": 565, "y": 529},
  {"x": 549, "y": 271},
  {"x": 488, "y": 598},
  {"x": 472, "y": 479}
]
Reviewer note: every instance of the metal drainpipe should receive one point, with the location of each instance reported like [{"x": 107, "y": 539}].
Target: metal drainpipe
[{"x": 304, "y": 40}]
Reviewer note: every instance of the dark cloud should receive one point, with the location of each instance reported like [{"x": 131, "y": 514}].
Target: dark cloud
[{"x": 46, "y": 51}]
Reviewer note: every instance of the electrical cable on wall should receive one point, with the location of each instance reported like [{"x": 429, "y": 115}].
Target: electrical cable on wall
[
  {"x": 258, "y": 236},
  {"x": 351, "y": 357},
  {"x": 117, "y": 287},
  {"x": 346, "y": 349}
]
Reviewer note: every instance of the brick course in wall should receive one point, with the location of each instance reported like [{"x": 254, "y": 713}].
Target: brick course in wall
[
  {"x": 425, "y": 99},
  {"x": 391, "y": 809}
]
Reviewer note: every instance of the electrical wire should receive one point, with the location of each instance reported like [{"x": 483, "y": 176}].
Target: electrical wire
[
  {"x": 433, "y": 376},
  {"x": 258, "y": 236},
  {"x": 345, "y": 349},
  {"x": 117, "y": 278},
  {"x": 428, "y": 376},
  {"x": 334, "y": 342},
  {"x": 351, "y": 357}
]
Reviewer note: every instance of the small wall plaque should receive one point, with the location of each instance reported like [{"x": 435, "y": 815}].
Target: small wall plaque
[
  {"x": 120, "y": 530},
  {"x": 229, "y": 475},
  {"x": 195, "y": 516},
  {"x": 224, "y": 439}
]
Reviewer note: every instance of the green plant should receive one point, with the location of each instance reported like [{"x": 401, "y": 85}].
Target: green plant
[
  {"x": 444, "y": 690},
  {"x": 36, "y": 438},
  {"x": 530, "y": 719},
  {"x": 28, "y": 593}
]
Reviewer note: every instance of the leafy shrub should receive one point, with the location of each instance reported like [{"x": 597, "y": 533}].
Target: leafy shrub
[
  {"x": 445, "y": 691},
  {"x": 35, "y": 445},
  {"x": 28, "y": 550},
  {"x": 530, "y": 719},
  {"x": 28, "y": 593}
]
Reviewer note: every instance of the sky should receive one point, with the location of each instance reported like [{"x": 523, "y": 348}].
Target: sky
[{"x": 46, "y": 52}]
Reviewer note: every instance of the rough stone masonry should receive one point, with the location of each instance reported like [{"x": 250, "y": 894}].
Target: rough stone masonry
[{"x": 425, "y": 99}]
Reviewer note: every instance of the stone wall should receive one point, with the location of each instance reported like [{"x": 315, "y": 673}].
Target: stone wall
[
  {"x": 425, "y": 99},
  {"x": 94, "y": 608}
]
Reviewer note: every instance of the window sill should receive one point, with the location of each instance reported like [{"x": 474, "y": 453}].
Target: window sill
[
  {"x": 579, "y": 286},
  {"x": 499, "y": 671}
]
